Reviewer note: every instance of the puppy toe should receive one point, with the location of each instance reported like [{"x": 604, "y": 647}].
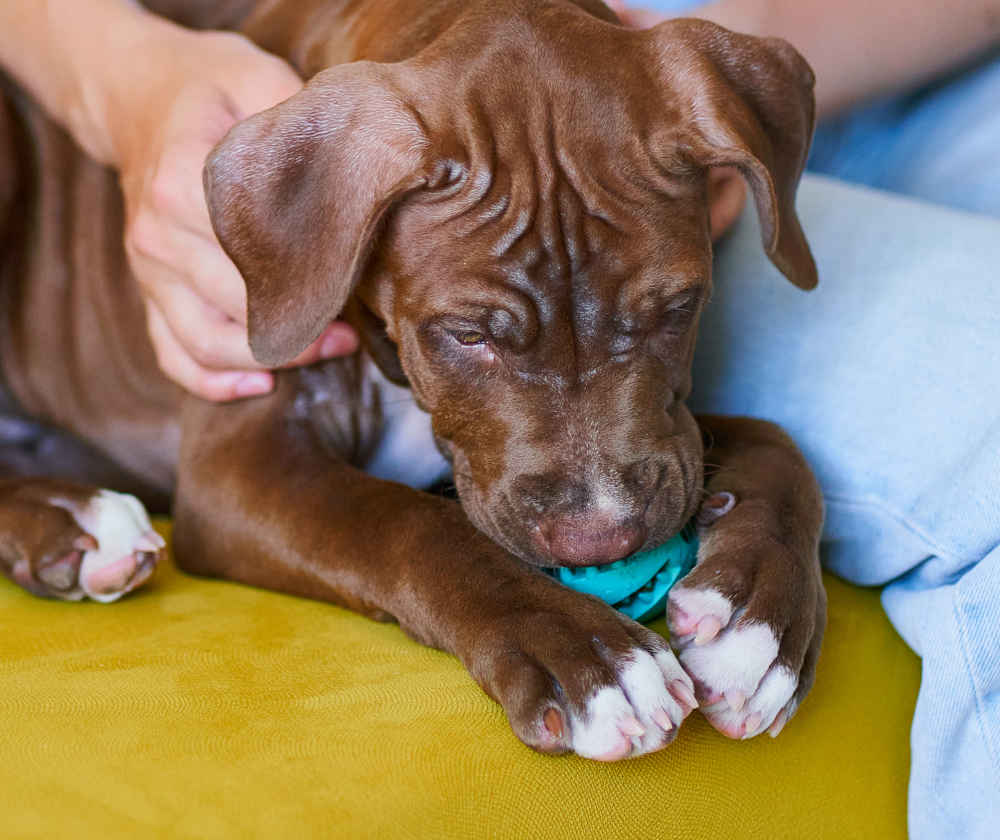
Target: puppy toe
[
  {"x": 697, "y": 615},
  {"x": 758, "y": 712}
]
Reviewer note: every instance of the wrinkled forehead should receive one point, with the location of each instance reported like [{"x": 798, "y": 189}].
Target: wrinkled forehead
[
  {"x": 591, "y": 241},
  {"x": 562, "y": 164}
]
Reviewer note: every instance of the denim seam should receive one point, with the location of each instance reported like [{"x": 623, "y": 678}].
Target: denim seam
[
  {"x": 916, "y": 530},
  {"x": 977, "y": 692}
]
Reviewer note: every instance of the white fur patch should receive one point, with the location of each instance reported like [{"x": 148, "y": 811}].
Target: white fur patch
[
  {"x": 598, "y": 735},
  {"x": 738, "y": 663},
  {"x": 736, "y": 660},
  {"x": 406, "y": 451},
  {"x": 759, "y": 712},
  {"x": 640, "y": 694},
  {"x": 120, "y": 524}
]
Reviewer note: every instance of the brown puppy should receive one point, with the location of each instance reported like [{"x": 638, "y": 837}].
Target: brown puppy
[{"x": 509, "y": 200}]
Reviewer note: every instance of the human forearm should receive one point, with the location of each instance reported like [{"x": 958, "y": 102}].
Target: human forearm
[
  {"x": 81, "y": 59},
  {"x": 860, "y": 50},
  {"x": 151, "y": 99}
]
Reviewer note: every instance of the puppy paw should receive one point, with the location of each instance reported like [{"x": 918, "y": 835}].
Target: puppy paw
[
  {"x": 747, "y": 624},
  {"x": 71, "y": 542},
  {"x": 577, "y": 676},
  {"x": 126, "y": 548}
]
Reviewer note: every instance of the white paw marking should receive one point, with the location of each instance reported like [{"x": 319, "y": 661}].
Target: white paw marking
[
  {"x": 738, "y": 665},
  {"x": 599, "y": 735},
  {"x": 773, "y": 694},
  {"x": 607, "y": 729},
  {"x": 735, "y": 661},
  {"x": 121, "y": 527}
]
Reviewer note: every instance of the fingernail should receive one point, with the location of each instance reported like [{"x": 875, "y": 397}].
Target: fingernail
[{"x": 253, "y": 384}]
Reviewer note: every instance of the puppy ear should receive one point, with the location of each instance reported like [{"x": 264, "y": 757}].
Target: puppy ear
[
  {"x": 748, "y": 103},
  {"x": 297, "y": 193}
]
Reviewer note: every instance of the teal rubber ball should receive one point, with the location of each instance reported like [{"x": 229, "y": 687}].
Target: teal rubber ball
[{"x": 637, "y": 585}]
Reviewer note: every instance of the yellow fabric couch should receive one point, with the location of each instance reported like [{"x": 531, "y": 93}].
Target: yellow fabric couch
[{"x": 200, "y": 709}]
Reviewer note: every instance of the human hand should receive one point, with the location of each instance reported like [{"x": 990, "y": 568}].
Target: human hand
[{"x": 199, "y": 84}]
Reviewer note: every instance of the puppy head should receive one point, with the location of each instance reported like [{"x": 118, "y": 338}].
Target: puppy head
[{"x": 520, "y": 218}]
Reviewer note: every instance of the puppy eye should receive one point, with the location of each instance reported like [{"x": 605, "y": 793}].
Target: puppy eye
[
  {"x": 680, "y": 314},
  {"x": 683, "y": 302},
  {"x": 469, "y": 338}
]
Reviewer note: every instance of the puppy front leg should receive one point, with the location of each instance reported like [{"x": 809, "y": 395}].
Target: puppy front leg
[
  {"x": 748, "y": 621},
  {"x": 260, "y": 502}
]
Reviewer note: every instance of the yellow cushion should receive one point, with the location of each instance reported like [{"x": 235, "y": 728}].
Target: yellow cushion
[{"x": 204, "y": 709}]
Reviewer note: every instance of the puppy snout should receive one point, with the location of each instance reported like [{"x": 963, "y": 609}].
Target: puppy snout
[{"x": 588, "y": 539}]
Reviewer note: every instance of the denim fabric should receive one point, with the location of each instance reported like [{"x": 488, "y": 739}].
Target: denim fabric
[
  {"x": 888, "y": 377},
  {"x": 941, "y": 143}
]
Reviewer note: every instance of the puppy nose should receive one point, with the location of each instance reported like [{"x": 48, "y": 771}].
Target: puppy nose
[{"x": 589, "y": 540}]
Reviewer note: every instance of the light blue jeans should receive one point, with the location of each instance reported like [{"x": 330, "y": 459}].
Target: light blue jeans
[{"x": 888, "y": 377}]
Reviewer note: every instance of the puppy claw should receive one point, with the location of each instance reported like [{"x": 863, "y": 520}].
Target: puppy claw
[
  {"x": 150, "y": 541},
  {"x": 752, "y": 725},
  {"x": 631, "y": 727},
  {"x": 774, "y": 730},
  {"x": 684, "y": 695},
  {"x": 663, "y": 720},
  {"x": 708, "y": 629},
  {"x": 736, "y": 700}
]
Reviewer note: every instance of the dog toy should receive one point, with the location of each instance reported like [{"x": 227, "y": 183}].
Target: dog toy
[{"x": 637, "y": 585}]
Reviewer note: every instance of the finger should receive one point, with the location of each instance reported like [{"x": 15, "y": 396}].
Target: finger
[
  {"x": 206, "y": 334},
  {"x": 338, "y": 339},
  {"x": 214, "y": 341},
  {"x": 217, "y": 386},
  {"x": 257, "y": 91},
  {"x": 164, "y": 249},
  {"x": 191, "y": 209}
]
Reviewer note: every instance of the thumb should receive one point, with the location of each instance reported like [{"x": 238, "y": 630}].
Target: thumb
[{"x": 263, "y": 83}]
